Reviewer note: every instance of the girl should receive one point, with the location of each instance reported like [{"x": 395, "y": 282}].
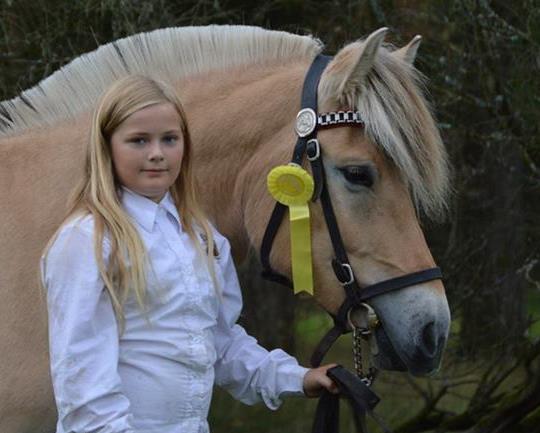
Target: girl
[{"x": 142, "y": 293}]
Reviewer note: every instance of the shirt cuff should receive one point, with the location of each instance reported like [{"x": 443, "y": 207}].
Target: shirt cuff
[{"x": 291, "y": 384}]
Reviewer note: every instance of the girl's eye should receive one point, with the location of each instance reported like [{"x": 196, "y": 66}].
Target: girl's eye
[
  {"x": 170, "y": 139},
  {"x": 138, "y": 140},
  {"x": 358, "y": 175}
]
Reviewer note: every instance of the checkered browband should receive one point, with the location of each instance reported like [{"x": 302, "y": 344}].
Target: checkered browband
[
  {"x": 339, "y": 117},
  {"x": 307, "y": 120}
]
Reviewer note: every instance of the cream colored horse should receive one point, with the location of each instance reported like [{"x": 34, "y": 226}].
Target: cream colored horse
[{"x": 241, "y": 89}]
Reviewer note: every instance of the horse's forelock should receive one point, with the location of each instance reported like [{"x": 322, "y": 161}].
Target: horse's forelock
[{"x": 399, "y": 120}]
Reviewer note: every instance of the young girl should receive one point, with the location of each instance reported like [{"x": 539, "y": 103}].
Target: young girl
[{"x": 142, "y": 293}]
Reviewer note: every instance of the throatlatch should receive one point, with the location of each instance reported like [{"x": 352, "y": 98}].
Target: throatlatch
[{"x": 354, "y": 387}]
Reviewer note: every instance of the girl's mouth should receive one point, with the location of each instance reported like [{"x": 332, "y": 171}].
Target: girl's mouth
[{"x": 155, "y": 172}]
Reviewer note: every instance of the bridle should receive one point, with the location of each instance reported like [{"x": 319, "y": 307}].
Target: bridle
[{"x": 308, "y": 123}]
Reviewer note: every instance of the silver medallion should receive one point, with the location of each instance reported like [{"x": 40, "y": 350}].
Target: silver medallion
[{"x": 306, "y": 121}]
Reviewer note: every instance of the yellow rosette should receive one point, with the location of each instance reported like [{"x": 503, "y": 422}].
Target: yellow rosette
[{"x": 293, "y": 186}]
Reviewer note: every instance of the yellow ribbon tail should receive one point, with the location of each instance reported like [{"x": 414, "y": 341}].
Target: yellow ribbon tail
[
  {"x": 293, "y": 186},
  {"x": 302, "y": 271}
]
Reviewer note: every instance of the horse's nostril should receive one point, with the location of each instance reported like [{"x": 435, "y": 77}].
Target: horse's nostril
[{"x": 429, "y": 339}]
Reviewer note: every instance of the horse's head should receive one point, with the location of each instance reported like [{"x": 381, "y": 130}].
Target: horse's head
[{"x": 379, "y": 179}]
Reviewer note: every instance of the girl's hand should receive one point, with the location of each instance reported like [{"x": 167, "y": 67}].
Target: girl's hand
[{"x": 316, "y": 380}]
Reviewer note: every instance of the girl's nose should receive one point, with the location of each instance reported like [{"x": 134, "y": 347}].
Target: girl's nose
[
  {"x": 156, "y": 158},
  {"x": 155, "y": 154}
]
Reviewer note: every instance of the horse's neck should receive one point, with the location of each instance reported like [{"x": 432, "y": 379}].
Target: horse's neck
[{"x": 241, "y": 123}]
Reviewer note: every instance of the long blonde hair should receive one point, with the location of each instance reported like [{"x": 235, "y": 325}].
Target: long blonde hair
[{"x": 98, "y": 193}]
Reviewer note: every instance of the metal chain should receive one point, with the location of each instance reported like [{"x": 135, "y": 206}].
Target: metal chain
[
  {"x": 359, "y": 337},
  {"x": 357, "y": 352},
  {"x": 364, "y": 341}
]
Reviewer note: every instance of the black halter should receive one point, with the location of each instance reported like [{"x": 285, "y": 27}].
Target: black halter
[{"x": 308, "y": 144}]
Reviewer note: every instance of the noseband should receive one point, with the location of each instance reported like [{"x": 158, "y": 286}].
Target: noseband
[{"x": 308, "y": 122}]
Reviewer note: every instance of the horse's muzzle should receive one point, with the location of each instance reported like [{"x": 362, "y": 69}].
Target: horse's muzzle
[{"x": 424, "y": 358}]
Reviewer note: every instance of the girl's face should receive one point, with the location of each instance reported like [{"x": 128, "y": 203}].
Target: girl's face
[{"x": 147, "y": 149}]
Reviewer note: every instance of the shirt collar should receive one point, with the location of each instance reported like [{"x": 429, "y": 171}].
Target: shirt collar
[
  {"x": 144, "y": 211},
  {"x": 168, "y": 203}
]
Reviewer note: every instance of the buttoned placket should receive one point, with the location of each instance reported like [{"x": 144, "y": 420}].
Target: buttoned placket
[
  {"x": 171, "y": 232},
  {"x": 179, "y": 242}
]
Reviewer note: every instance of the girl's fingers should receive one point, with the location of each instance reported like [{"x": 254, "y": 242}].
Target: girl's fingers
[
  {"x": 331, "y": 386},
  {"x": 327, "y": 383},
  {"x": 316, "y": 380}
]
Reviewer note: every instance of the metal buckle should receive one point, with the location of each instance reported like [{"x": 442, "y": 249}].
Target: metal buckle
[
  {"x": 306, "y": 122},
  {"x": 317, "y": 148},
  {"x": 349, "y": 270}
]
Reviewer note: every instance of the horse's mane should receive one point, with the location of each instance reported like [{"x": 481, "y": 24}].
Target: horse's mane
[{"x": 175, "y": 52}]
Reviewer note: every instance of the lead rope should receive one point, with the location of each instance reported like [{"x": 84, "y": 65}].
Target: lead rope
[{"x": 354, "y": 387}]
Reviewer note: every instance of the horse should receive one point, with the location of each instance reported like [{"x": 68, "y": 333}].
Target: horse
[{"x": 241, "y": 88}]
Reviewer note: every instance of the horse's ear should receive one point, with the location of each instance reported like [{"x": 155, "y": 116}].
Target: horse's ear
[
  {"x": 408, "y": 52},
  {"x": 349, "y": 68}
]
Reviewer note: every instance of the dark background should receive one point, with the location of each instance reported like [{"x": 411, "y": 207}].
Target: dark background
[{"x": 482, "y": 59}]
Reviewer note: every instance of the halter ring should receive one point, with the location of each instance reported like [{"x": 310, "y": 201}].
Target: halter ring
[{"x": 372, "y": 320}]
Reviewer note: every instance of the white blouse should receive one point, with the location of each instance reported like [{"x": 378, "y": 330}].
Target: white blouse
[{"x": 157, "y": 377}]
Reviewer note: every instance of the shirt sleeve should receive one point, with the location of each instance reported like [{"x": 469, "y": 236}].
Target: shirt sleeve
[
  {"x": 83, "y": 338},
  {"x": 247, "y": 370}
]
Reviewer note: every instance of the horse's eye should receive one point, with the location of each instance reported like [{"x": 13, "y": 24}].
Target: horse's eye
[{"x": 358, "y": 175}]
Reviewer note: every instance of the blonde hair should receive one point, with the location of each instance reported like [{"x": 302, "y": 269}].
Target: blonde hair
[{"x": 98, "y": 193}]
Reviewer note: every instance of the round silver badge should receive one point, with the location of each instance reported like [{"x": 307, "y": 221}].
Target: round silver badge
[{"x": 306, "y": 121}]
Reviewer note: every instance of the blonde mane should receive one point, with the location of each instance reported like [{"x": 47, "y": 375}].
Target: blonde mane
[{"x": 175, "y": 52}]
